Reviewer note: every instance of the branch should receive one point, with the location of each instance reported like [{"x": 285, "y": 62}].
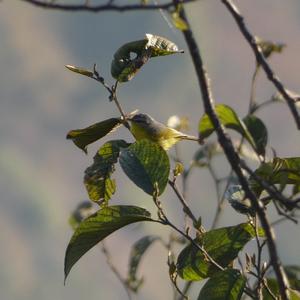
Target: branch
[
  {"x": 102, "y": 7},
  {"x": 289, "y": 98},
  {"x": 232, "y": 157}
]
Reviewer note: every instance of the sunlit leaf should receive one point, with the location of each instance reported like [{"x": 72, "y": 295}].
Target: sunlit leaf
[
  {"x": 83, "y": 137},
  {"x": 223, "y": 245},
  {"x": 124, "y": 65},
  {"x": 98, "y": 183},
  {"x": 272, "y": 283},
  {"x": 137, "y": 252},
  {"x": 229, "y": 119},
  {"x": 269, "y": 47},
  {"x": 228, "y": 284},
  {"x": 259, "y": 133},
  {"x": 178, "y": 22},
  {"x": 161, "y": 46},
  {"x": 146, "y": 164},
  {"x": 80, "y": 71},
  {"x": 97, "y": 227}
]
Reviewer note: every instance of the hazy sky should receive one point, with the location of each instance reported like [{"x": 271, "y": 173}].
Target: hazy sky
[{"x": 40, "y": 101}]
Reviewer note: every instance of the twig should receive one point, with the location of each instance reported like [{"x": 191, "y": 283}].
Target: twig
[
  {"x": 112, "y": 94},
  {"x": 186, "y": 208},
  {"x": 114, "y": 269},
  {"x": 103, "y": 7},
  {"x": 232, "y": 156},
  {"x": 290, "y": 100},
  {"x": 163, "y": 219}
]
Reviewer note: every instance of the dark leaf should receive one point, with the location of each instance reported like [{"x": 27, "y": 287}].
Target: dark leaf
[
  {"x": 225, "y": 285},
  {"x": 83, "y": 137},
  {"x": 279, "y": 171},
  {"x": 98, "y": 183},
  {"x": 229, "y": 119},
  {"x": 124, "y": 67},
  {"x": 236, "y": 197},
  {"x": 137, "y": 252},
  {"x": 223, "y": 245},
  {"x": 146, "y": 164},
  {"x": 259, "y": 132},
  {"x": 97, "y": 227}
]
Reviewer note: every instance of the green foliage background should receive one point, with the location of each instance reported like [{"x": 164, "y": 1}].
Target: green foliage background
[{"x": 41, "y": 173}]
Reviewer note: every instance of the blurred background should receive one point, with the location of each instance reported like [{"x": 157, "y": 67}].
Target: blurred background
[{"x": 40, "y": 101}]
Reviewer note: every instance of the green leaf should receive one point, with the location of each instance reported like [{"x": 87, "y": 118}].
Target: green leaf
[
  {"x": 279, "y": 171},
  {"x": 273, "y": 286},
  {"x": 258, "y": 131},
  {"x": 178, "y": 22},
  {"x": 98, "y": 183},
  {"x": 269, "y": 47},
  {"x": 225, "y": 285},
  {"x": 223, "y": 245},
  {"x": 124, "y": 67},
  {"x": 293, "y": 274},
  {"x": 137, "y": 252},
  {"x": 80, "y": 71},
  {"x": 83, "y": 137},
  {"x": 97, "y": 227},
  {"x": 229, "y": 119},
  {"x": 146, "y": 164}
]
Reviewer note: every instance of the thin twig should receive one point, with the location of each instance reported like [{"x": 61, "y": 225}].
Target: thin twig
[
  {"x": 103, "y": 7},
  {"x": 114, "y": 269},
  {"x": 232, "y": 157},
  {"x": 261, "y": 60},
  {"x": 186, "y": 208}
]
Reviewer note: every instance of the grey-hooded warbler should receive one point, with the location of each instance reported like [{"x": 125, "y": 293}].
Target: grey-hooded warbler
[{"x": 144, "y": 126}]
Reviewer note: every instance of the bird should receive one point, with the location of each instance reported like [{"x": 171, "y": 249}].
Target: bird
[{"x": 144, "y": 126}]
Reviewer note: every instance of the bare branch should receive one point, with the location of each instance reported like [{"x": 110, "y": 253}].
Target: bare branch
[
  {"x": 103, "y": 7},
  {"x": 232, "y": 157},
  {"x": 287, "y": 95}
]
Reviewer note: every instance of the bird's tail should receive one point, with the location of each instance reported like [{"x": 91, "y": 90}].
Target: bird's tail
[{"x": 192, "y": 138}]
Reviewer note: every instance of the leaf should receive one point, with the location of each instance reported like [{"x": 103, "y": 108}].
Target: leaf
[
  {"x": 98, "y": 183},
  {"x": 269, "y": 47},
  {"x": 273, "y": 286},
  {"x": 98, "y": 226},
  {"x": 223, "y": 245},
  {"x": 229, "y": 119},
  {"x": 124, "y": 67},
  {"x": 293, "y": 274},
  {"x": 258, "y": 131},
  {"x": 137, "y": 252},
  {"x": 236, "y": 197},
  {"x": 161, "y": 46},
  {"x": 83, "y": 137},
  {"x": 178, "y": 22},
  {"x": 279, "y": 171},
  {"x": 228, "y": 284},
  {"x": 146, "y": 164},
  {"x": 80, "y": 71}
]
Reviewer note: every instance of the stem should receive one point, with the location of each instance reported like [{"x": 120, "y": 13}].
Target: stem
[
  {"x": 186, "y": 208},
  {"x": 252, "y": 102},
  {"x": 115, "y": 270},
  {"x": 232, "y": 157},
  {"x": 250, "y": 38}
]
